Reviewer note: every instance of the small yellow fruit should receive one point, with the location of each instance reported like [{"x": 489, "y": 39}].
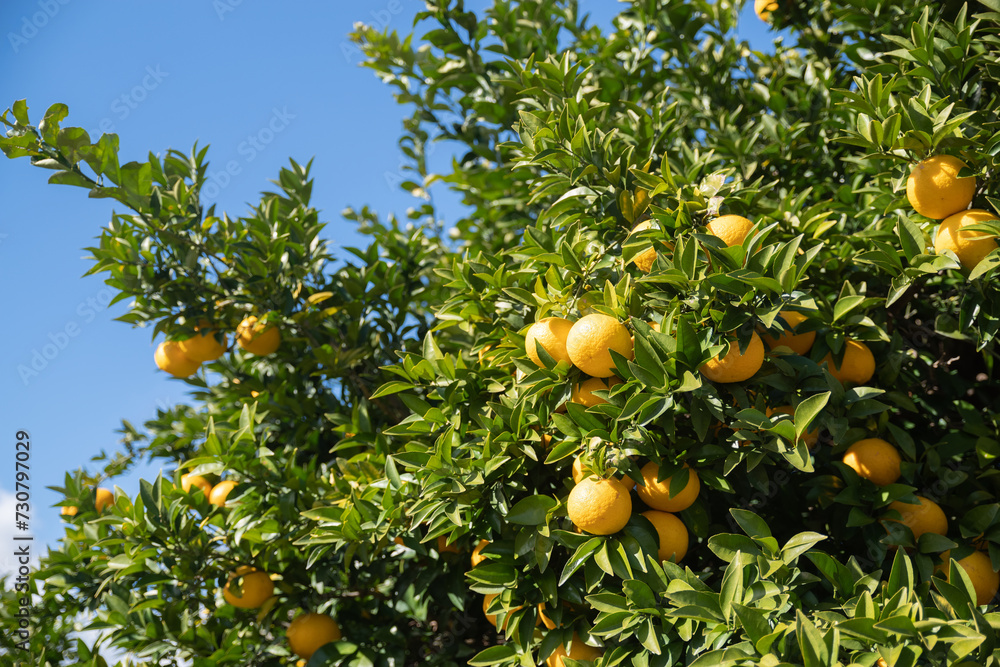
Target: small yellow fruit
[
  {"x": 203, "y": 346},
  {"x": 591, "y": 340},
  {"x": 857, "y": 366},
  {"x": 578, "y": 651},
  {"x": 103, "y": 499},
  {"x": 309, "y": 632},
  {"x": 551, "y": 332},
  {"x": 971, "y": 247},
  {"x": 544, "y": 618},
  {"x": 444, "y": 548},
  {"x": 656, "y": 494},
  {"x": 736, "y": 366},
  {"x": 256, "y": 589},
  {"x": 732, "y": 229},
  {"x": 189, "y": 480},
  {"x": 220, "y": 492},
  {"x": 763, "y": 8},
  {"x": 985, "y": 580},
  {"x": 644, "y": 260},
  {"x": 672, "y": 532},
  {"x": 169, "y": 358},
  {"x": 477, "y": 553},
  {"x": 257, "y": 337},
  {"x": 797, "y": 343},
  {"x": 599, "y": 506},
  {"x": 874, "y": 459},
  {"x": 935, "y": 190},
  {"x": 492, "y": 618},
  {"x": 69, "y": 510},
  {"x": 924, "y": 517},
  {"x": 583, "y": 393}
]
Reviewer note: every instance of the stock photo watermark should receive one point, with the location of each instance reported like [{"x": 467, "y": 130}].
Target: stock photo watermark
[
  {"x": 123, "y": 105},
  {"x": 31, "y": 24},
  {"x": 248, "y": 149}
]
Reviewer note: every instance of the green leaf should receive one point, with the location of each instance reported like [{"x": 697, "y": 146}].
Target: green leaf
[
  {"x": 751, "y": 523},
  {"x": 807, "y": 410},
  {"x": 531, "y": 511}
]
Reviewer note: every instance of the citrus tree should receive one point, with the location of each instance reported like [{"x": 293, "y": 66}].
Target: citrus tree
[{"x": 705, "y": 375}]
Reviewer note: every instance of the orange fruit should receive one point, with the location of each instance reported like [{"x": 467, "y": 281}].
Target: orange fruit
[
  {"x": 492, "y": 618},
  {"x": 551, "y": 332},
  {"x": 935, "y": 190},
  {"x": 69, "y": 510},
  {"x": 809, "y": 437},
  {"x": 256, "y": 589},
  {"x": 217, "y": 496},
  {"x": 203, "y": 346},
  {"x": 874, "y": 459},
  {"x": 971, "y": 247},
  {"x": 644, "y": 260},
  {"x": 656, "y": 494},
  {"x": 308, "y": 632},
  {"x": 924, "y": 517},
  {"x": 169, "y": 358},
  {"x": 579, "y": 473},
  {"x": 583, "y": 393},
  {"x": 591, "y": 340},
  {"x": 444, "y": 547},
  {"x": 732, "y": 229},
  {"x": 857, "y": 366},
  {"x": 797, "y": 343},
  {"x": 578, "y": 651},
  {"x": 258, "y": 337},
  {"x": 477, "y": 555},
  {"x": 763, "y": 8},
  {"x": 103, "y": 498},
  {"x": 599, "y": 506},
  {"x": 672, "y": 532},
  {"x": 985, "y": 580},
  {"x": 189, "y": 480},
  {"x": 736, "y": 366},
  {"x": 543, "y": 617}
]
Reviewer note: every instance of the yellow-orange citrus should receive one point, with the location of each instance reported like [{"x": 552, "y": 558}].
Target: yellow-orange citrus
[
  {"x": 732, "y": 229},
  {"x": 797, "y": 343},
  {"x": 103, "y": 498},
  {"x": 69, "y": 510},
  {"x": 736, "y": 366},
  {"x": 763, "y": 8},
  {"x": 591, "y": 340},
  {"x": 874, "y": 459},
  {"x": 579, "y": 473},
  {"x": 169, "y": 358},
  {"x": 578, "y": 651},
  {"x": 492, "y": 618},
  {"x": 656, "y": 494},
  {"x": 924, "y": 517},
  {"x": 258, "y": 338},
  {"x": 203, "y": 346},
  {"x": 477, "y": 553},
  {"x": 544, "y": 618},
  {"x": 985, "y": 580},
  {"x": 644, "y": 260},
  {"x": 857, "y": 366},
  {"x": 583, "y": 393},
  {"x": 308, "y": 632},
  {"x": 551, "y": 332},
  {"x": 935, "y": 190},
  {"x": 217, "y": 496},
  {"x": 599, "y": 506},
  {"x": 672, "y": 532},
  {"x": 189, "y": 480},
  {"x": 257, "y": 587},
  {"x": 971, "y": 247},
  {"x": 444, "y": 547},
  {"x": 809, "y": 437}
]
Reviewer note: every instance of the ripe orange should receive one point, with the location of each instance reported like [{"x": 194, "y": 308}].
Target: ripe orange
[
  {"x": 857, "y": 366},
  {"x": 874, "y": 459},
  {"x": 256, "y": 589},
  {"x": 551, "y": 332},
  {"x": 578, "y": 651},
  {"x": 935, "y": 190},
  {"x": 444, "y": 548},
  {"x": 732, "y": 229},
  {"x": 797, "y": 343},
  {"x": 477, "y": 555},
  {"x": 203, "y": 346},
  {"x": 544, "y": 618},
  {"x": 169, "y": 358},
  {"x": 763, "y": 8},
  {"x": 971, "y": 247},
  {"x": 599, "y": 506},
  {"x": 809, "y": 437},
  {"x": 579, "y": 473},
  {"x": 492, "y": 618},
  {"x": 583, "y": 393},
  {"x": 308, "y": 632},
  {"x": 69, "y": 510},
  {"x": 591, "y": 340},
  {"x": 736, "y": 366},
  {"x": 673, "y": 534},
  {"x": 103, "y": 498},
  {"x": 644, "y": 260},
  {"x": 925, "y": 517},
  {"x": 217, "y": 496},
  {"x": 657, "y": 494},
  {"x": 189, "y": 480},
  {"x": 985, "y": 580},
  {"x": 257, "y": 337}
]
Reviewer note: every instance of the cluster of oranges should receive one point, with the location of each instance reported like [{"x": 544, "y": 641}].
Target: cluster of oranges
[{"x": 181, "y": 358}]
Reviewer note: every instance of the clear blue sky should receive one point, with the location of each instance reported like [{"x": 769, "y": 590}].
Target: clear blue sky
[{"x": 164, "y": 75}]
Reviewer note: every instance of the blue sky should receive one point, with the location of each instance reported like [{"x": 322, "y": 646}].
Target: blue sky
[{"x": 258, "y": 85}]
